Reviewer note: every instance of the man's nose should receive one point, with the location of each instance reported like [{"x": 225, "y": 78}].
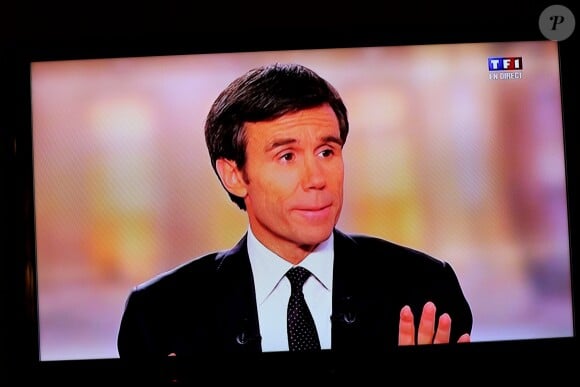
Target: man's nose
[{"x": 313, "y": 173}]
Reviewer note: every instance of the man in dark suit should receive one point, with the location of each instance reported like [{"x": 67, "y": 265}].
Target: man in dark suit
[{"x": 275, "y": 137}]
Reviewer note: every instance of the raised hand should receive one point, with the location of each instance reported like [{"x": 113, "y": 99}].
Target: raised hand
[{"x": 426, "y": 333}]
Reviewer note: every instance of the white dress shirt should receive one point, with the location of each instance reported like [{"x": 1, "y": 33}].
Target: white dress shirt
[{"x": 273, "y": 291}]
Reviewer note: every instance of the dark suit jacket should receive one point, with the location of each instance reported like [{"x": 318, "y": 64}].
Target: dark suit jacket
[{"x": 208, "y": 304}]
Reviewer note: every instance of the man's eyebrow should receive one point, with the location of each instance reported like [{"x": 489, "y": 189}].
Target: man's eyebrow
[
  {"x": 285, "y": 141},
  {"x": 333, "y": 139},
  {"x": 279, "y": 142}
]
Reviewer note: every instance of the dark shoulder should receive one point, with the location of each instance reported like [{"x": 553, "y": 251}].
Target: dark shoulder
[
  {"x": 381, "y": 250},
  {"x": 195, "y": 274},
  {"x": 195, "y": 271}
]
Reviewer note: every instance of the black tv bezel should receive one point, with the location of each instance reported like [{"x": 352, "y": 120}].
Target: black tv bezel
[{"x": 19, "y": 284}]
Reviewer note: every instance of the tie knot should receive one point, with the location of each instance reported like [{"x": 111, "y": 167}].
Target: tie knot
[{"x": 297, "y": 276}]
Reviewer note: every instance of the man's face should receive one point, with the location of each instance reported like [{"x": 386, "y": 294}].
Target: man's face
[{"x": 294, "y": 180}]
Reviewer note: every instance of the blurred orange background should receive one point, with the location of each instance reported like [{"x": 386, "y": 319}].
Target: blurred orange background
[{"x": 439, "y": 158}]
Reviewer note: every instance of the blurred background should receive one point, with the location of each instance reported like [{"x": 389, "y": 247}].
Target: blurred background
[{"x": 439, "y": 158}]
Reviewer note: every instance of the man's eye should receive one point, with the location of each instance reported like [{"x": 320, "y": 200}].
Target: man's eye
[
  {"x": 287, "y": 157},
  {"x": 327, "y": 153}
]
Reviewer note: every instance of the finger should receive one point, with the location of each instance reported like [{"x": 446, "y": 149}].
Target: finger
[
  {"x": 406, "y": 327},
  {"x": 427, "y": 324},
  {"x": 443, "y": 330},
  {"x": 464, "y": 338}
]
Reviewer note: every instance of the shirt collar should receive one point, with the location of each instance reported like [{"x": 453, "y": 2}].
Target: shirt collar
[{"x": 269, "y": 268}]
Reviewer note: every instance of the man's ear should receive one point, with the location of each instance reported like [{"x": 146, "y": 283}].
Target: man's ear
[{"x": 232, "y": 178}]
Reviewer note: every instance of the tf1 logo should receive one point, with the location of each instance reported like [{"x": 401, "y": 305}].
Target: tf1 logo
[{"x": 504, "y": 63}]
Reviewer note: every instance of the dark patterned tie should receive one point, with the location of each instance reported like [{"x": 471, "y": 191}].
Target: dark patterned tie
[{"x": 302, "y": 335}]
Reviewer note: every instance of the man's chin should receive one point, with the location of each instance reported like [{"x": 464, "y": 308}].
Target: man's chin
[{"x": 314, "y": 238}]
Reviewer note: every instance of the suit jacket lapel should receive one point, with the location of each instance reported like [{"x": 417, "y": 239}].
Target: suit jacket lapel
[
  {"x": 236, "y": 310},
  {"x": 348, "y": 299}
]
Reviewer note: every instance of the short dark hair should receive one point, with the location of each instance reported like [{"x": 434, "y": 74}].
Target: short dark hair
[{"x": 262, "y": 94}]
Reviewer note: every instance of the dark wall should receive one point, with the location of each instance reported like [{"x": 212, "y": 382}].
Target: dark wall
[{"x": 247, "y": 22}]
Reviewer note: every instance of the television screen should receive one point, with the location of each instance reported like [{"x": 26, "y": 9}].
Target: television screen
[
  {"x": 455, "y": 149},
  {"x": 459, "y": 148}
]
